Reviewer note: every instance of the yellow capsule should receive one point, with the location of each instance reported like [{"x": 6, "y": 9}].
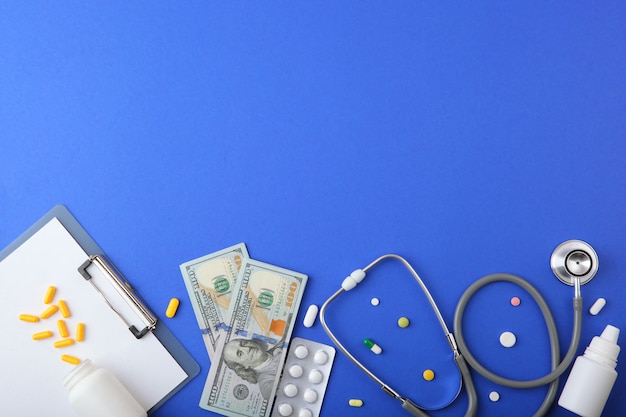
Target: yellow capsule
[
  {"x": 65, "y": 312},
  {"x": 49, "y": 311},
  {"x": 63, "y": 328},
  {"x": 29, "y": 317},
  {"x": 42, "y": 335},
  {"x": 47, "y": 299},
  {"x": 355, "y": 402},
  {"x": 63, "y": 343},
  {"x": 70, "y": 359},
  {"x": 171, "y": 308},
  {"x": 80, "y": 332}
]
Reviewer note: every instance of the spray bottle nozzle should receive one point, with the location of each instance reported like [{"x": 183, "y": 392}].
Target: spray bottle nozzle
[
  {"x": 604, "y": 348},
  {"x": 610, "y": 333}
]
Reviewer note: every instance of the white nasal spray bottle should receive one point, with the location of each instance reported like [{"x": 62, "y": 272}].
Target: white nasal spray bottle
[{"x": 593, "y": 375}]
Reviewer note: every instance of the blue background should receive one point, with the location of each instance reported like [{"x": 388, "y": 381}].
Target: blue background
[{"x": 471, "y": 139}]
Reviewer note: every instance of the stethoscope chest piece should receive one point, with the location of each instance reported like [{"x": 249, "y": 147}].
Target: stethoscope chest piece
[{"x": 574, "y": 259}]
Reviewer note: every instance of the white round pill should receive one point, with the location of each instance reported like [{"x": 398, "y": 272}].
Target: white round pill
[
  {"x": 302, "y": 352},
  {"x": 508, "y": 339},
  {"x": 494, "y": 396},
  {"x": 296, "y": 371},
  {"x": 310, "y": 395},
  {"x": 375, "y": 301},
  {"x": 290, "y": 390},
  {"x": 320, "y": 357},
  {"x": 285, "y": 409},
  {"x": 305, "y": 412},
  {"x": 316, "y": 376}
]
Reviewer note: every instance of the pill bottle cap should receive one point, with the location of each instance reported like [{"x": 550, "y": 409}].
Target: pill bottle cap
[{"x": 604, "y": 348}]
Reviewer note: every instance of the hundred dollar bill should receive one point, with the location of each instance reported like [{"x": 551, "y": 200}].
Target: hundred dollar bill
[
  {"x": 210, "y": 281},
  {"x": 250, "y": 356}
]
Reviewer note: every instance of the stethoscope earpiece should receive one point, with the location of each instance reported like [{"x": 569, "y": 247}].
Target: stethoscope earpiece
[{"x": 574, "y": 259}]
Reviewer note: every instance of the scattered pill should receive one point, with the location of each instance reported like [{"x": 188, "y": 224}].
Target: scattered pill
[
  {"x": 355, "y": 402},
  {"x": 47, "y": 299},
  {"x": 494, "y": 396},
  {"x": 508, "y": 339},
  {"x": 285, "y": 409},
  {"x": 428, "y": 375},
  {"x": 310, "y": 395},
  {"x": 403, "y": 322},
  {"x": 49, "y": 311},
  {"x": 316, "y": 376},
  {"x": 42, "y": 335},
  {"x": 310, "y": 316},
  {"x": 63, "y": 343},
  {"x": 290, "y": 390},
  {"x": 65, "y": 312},
  {"x": 301, "y": 352},
  {"x": 375, "y": 301},
  {"x": 320, "y": 357},
  {"x": 296, "y": 371},
  {"x": 62, "y": 328},
  {"x": 29, "y": 318},
  {"x": 80, "y": 332},
  {"x": 172, "y": 307},
  {"x": 515, "y": 301},
  {"x": 373, "y": 346},
  {"x": 70, "y": 359},
  {"x": 597, "y": 306}
]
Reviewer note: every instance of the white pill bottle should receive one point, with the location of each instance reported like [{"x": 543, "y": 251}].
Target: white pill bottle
[
  {"x": 96, "y": 392},
  {"x": 593, "y": 375}
]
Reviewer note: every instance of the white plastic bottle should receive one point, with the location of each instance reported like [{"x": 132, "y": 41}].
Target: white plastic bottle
[
  {"x": 96, "y": 392},
  {"x": 593, "y": 375}
]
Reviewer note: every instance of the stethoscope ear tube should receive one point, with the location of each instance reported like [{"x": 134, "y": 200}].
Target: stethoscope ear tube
[{"x": 351, "y": 282}]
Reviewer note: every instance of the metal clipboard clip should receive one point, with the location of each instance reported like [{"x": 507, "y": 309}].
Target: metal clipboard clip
[{"x": 124, "y": 290}]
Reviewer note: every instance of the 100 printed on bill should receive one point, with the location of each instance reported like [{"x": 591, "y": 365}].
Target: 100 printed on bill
[{"x": 252, "y": 348}]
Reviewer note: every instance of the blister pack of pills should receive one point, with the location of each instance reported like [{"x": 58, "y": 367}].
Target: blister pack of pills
[{"x": 305, "y": 377}]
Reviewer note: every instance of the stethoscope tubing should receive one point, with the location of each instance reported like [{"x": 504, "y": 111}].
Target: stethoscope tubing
[
  {"x": 462, "y": 355},
  {"x": 557, "y": 366}
]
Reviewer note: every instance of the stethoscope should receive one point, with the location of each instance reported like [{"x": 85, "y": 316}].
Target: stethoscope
[{"x": 573, "y": 262}]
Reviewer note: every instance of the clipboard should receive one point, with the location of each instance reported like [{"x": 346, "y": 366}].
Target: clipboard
[{"x": 122, "y": 334}]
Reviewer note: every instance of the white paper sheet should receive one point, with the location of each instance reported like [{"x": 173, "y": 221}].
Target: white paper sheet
[{"x": 32, "y": 372}]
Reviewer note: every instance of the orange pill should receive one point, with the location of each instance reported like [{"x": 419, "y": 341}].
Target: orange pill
[
  {"x": 42, "y": 335},
  {"x": 65, "y": 312},
  {"x": 47, "y": 299},
  {"x": 80, "y": 332},
  {"x": 29, "y": 318},
  {"x": 49, "y": 311},
  {"x": 70, "y": 359},
  {"x": 172, "y": 307},
  {"x": 63, "y": 328},
  {"x": 63, "y": 343}
]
